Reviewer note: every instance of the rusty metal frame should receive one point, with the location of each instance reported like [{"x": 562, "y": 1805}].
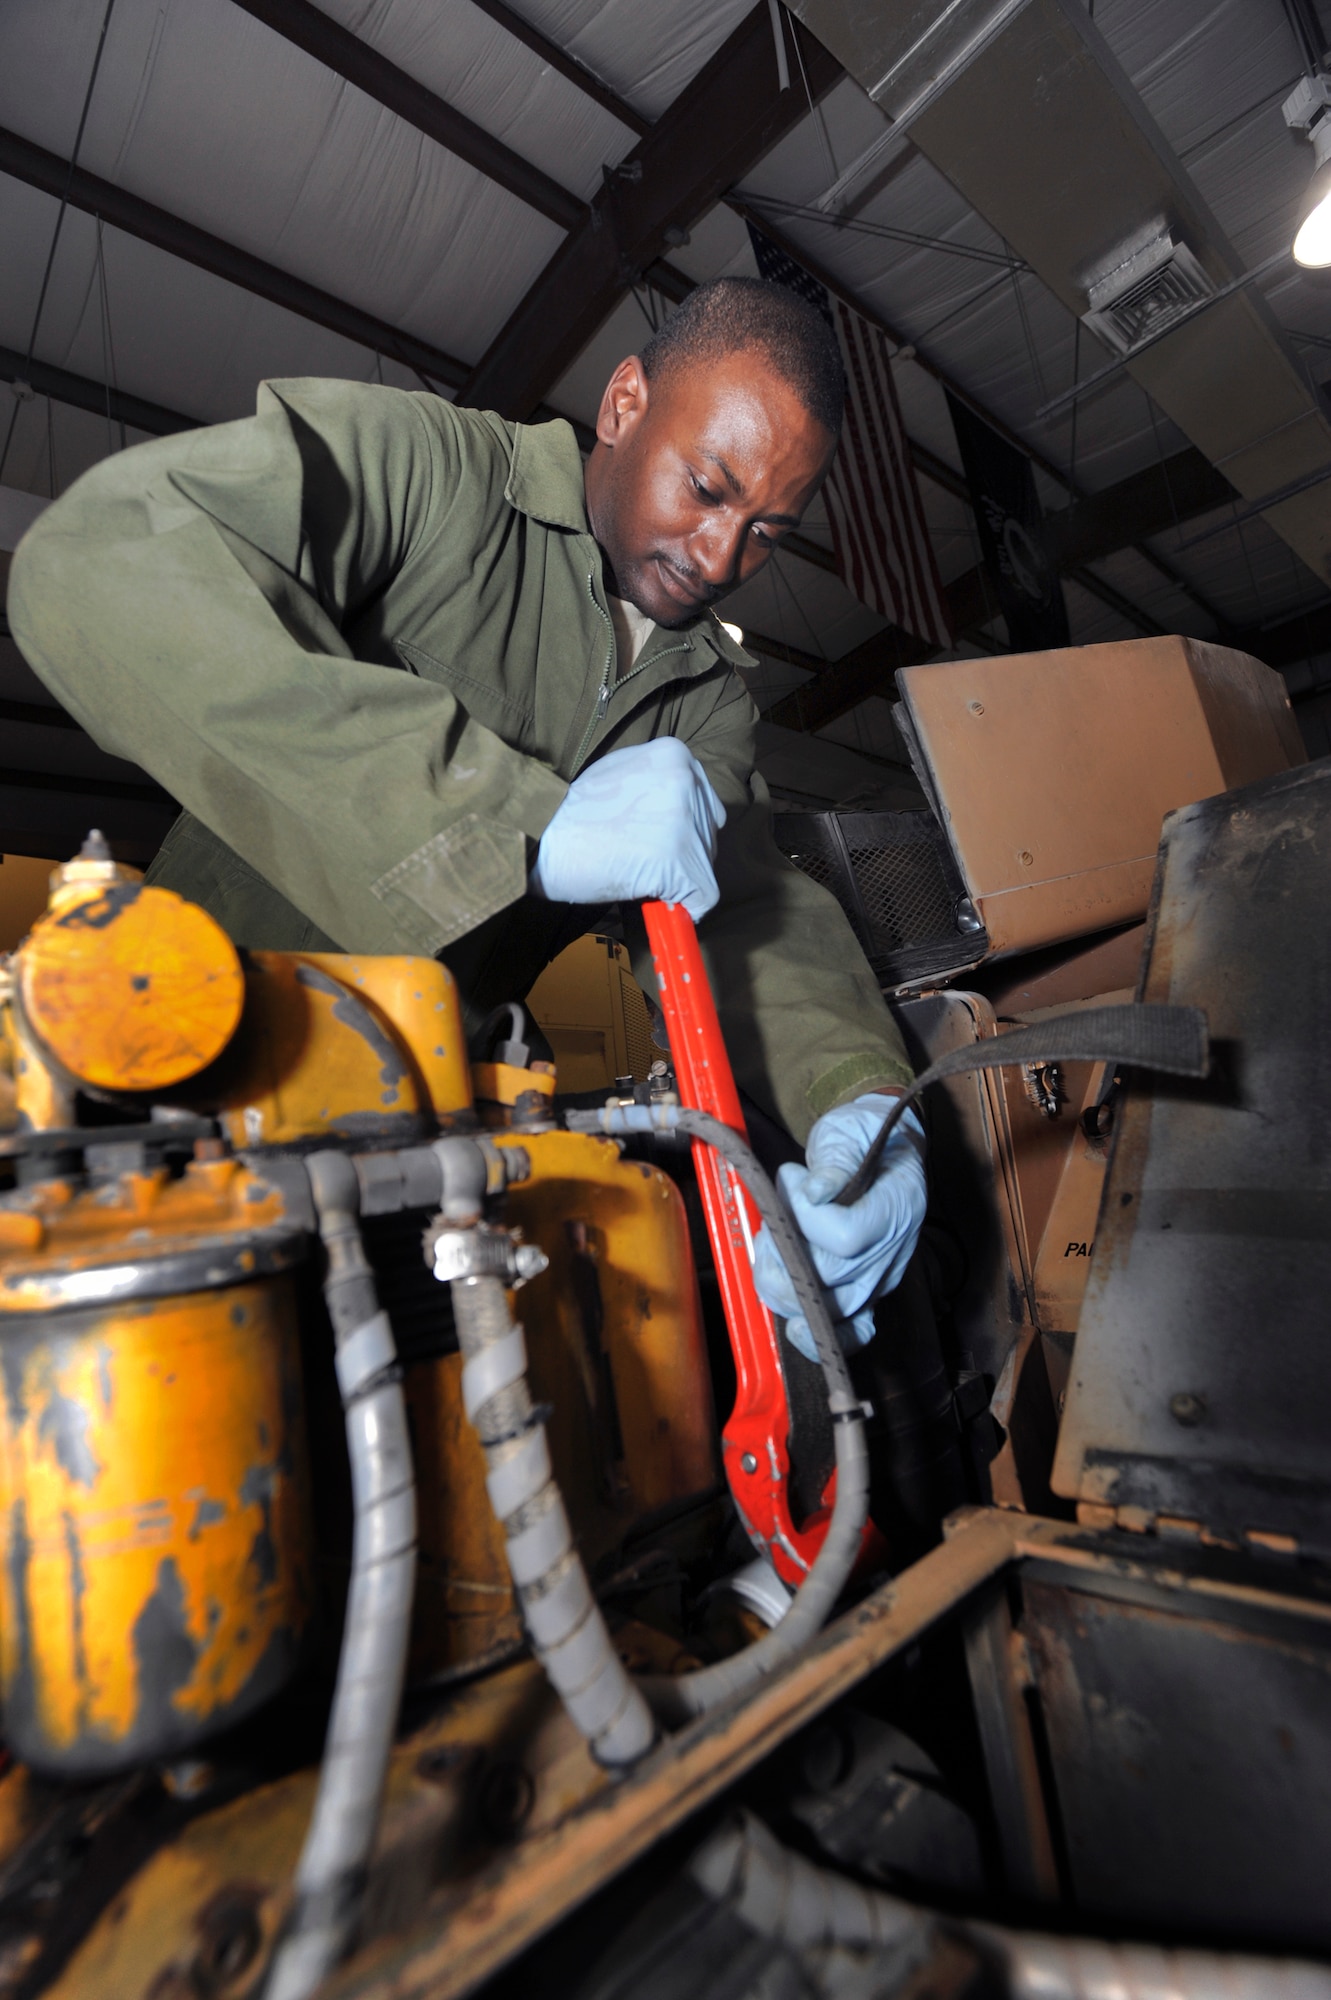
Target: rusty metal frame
[{"x": 471, "y": 1931}]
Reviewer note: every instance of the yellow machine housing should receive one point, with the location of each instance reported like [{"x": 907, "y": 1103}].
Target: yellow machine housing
[
  {"x": 159, "y": 1560},
  {"x": 156, "y": 1582}
]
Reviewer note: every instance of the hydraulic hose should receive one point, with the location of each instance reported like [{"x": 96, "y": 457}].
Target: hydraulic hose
[
  {"x": 332, "y": 1871},
  {"x": 564, "y": 1622},
  {"x": 780, "y": 1895},
  {"x": 676, "y": 1700}
]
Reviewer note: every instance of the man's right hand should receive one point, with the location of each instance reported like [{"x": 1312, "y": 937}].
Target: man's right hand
[{"x": 640, "y": 825}]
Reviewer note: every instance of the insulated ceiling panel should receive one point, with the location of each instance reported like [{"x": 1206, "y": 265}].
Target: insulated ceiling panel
[
  {"x": 648, "y": 54},
  {"x": 177, "y": 335},
  {"x": 301, "y": 169},
  {"x": 464, "y": 58},
  {"x": 954, "y": 294}
]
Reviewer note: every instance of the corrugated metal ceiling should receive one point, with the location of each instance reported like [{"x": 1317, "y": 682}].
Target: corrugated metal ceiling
[{"x": 210, "y": 114}]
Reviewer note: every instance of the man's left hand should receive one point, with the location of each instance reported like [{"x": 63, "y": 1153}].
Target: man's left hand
[{"x": 859, "y": 1252}]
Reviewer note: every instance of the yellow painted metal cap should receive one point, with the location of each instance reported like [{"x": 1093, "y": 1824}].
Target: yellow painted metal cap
[{"x": 130, "y": 988}]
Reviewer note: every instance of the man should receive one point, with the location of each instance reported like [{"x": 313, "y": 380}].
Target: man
[{"x": 422, "y": 683}]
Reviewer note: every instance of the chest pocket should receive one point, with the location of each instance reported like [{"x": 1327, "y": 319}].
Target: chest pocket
[{"x": 513, "y": 721}]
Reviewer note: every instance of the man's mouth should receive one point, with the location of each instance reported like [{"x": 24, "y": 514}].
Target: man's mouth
[{"x": 680, "y": 587}]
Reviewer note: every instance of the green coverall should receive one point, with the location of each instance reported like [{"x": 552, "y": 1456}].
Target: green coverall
[{"x": 362, "y": 637}]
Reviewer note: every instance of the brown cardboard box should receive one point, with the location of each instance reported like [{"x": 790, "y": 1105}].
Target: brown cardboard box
[{"x": 1052, "y": 771}]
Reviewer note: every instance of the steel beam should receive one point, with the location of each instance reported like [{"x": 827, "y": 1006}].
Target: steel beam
[
  {"x": 1150, "y": 502},
  {"x": 866, "y": 670},
  {"x": 1301, "y": 637},
  {"x": 360, "y": 64},
  {"x": 568, "y": 66},
  {"x": 82, "y": 393},
  {"x": 31, "y": 163},
  {"x": 732, "y": 113}
]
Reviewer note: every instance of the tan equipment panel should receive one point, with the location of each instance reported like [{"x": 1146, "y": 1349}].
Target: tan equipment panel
[{"x": 1053, "y": 771}]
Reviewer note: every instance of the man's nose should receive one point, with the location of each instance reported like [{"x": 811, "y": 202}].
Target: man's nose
[{"x": 715, "y": 551}]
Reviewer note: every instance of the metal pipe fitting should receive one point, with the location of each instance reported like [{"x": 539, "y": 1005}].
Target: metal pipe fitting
[{"x": 454, "y": 1175}]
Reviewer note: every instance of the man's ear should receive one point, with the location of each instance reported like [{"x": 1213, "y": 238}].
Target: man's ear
[{"x": 624, "y": 404}]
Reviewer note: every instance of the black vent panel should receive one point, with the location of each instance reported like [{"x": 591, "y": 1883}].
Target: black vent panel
[{"x": 894, "y": 876}]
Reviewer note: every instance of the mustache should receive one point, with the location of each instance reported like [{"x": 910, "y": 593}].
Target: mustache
[{"x": 706, "y": 593}]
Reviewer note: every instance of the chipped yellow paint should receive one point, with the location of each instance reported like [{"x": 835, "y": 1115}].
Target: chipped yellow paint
[
  {"x": 418, "y": 998},
  {"x": 155, "y": 1574},
  {"x": 129, "y": 988},
  {"x": 628, "y": 1218},
  {"x": 151, "y": 1927},
  {"x": 429, "y": 1830},
  {"x": 140, "y": 1215},
  {"x": 505, "y": 1083},
  {"x": 315, "y": 1059}
]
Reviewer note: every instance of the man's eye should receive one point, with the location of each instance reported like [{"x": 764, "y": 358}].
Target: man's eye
[
  {"x": 703, "y": 492},
  {"x": 763, "y": 539}
]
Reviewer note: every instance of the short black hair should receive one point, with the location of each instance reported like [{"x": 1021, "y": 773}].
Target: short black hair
[{"x": 733, "y": 313}]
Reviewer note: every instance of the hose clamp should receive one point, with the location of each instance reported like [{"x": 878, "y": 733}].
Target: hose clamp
[{"x": 486, "y": 1253}]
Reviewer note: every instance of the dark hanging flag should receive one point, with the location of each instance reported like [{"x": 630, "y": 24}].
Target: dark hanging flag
[
  {"x": 1012, "y": 540},
  {"x": 880, "y": 537}
]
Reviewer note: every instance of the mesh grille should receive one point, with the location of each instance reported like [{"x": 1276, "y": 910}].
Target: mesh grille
[
  {"x": 804, "y": 839},
  {"x": 894, "y": 877},
  {"x": 907, "y": 898}
]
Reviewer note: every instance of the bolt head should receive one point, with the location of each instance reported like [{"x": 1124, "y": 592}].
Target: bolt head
[{"x": 749, "y": 1463}]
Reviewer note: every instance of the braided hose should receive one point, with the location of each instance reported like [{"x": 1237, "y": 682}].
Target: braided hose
[
  {"x": 564, "y": 1622},
  {"x": 781, "y": 1896},
  {"x": 334, "y": 1862},
  {"x": 678, "y": 1699}
]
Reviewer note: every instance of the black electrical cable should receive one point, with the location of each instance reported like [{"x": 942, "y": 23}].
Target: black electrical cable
[{"x": 1307, "y": 32}]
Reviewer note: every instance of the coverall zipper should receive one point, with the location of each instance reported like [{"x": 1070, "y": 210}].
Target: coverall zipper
[{"x": 605, "y": 690}]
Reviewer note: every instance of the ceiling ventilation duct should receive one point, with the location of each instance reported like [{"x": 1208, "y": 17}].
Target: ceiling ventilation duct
[
  {"x": 1037, "y": 126},
  {"x": 1146, "y": 293},
  {"x": 918, "y": 49}
]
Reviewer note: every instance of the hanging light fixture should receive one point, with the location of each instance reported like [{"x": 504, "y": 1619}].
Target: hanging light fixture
[{"x": 1308, "y": 109}]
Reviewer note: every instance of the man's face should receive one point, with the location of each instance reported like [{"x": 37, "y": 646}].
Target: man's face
[{"x": 696, "y": 476}]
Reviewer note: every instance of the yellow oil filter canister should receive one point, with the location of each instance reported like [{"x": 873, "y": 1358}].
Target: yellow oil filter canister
[{"x": 156, "y": 1579}]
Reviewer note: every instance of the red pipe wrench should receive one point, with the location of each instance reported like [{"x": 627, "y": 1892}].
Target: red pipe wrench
[{"x": 754, "y": 1442}]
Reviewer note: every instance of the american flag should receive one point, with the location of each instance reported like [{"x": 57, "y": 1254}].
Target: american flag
[{"x": 879, "y": 536}]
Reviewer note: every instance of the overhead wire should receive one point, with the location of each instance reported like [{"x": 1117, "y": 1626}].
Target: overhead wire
[
  {"x": 109, "y": 375},
  {"x": 889, "y": 232},
  {"x": 60, "y": 223},
  {"x": 1307, "y": 32},
  {"x": 815, "y": 112}
]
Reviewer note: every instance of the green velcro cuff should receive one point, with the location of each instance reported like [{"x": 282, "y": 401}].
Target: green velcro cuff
[
  {"x": 461, "y": 876},
  {"x": 853, "y": 1077}
]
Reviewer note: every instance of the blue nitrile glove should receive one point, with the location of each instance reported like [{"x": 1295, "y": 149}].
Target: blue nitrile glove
[
  {"x": 859, "y": 1252},
  {"x": 638, "y": 826}
]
